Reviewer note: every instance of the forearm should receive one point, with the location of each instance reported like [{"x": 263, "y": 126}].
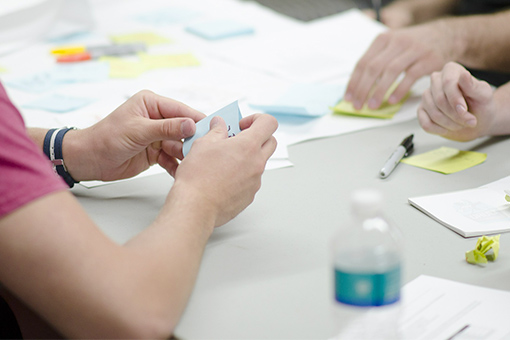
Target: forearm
[
  {"x": 141, "y": 288},
  {"x": 482, "y": 41}
]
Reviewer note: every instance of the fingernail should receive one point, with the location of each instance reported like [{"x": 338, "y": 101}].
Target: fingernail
[
  {"x": 357, "y": 104},
  {"x": 471, "y": 123},
  {"x": 392, "y": 99},
  {"x": 460, "y": 109},
  {"x": 186, "y": 128},
  {"x": 373, "y": 104},
  {"x": 348, "y": 96}
]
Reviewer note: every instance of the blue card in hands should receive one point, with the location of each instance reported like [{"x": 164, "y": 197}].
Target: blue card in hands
[{"x": 230, "y": 114}]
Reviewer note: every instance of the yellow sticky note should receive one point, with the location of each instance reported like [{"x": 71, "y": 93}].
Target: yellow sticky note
[
  {"x": 385, "y": 111},
  {"x": 481, "y": 254},
  {"x": 149, "y": 38},
  {"x": 156, "y": 61},
  {"x": 121, "y": 68},
  {"x": 446, "y": 160}
]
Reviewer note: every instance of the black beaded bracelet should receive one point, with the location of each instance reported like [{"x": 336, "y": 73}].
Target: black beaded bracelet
[{"x": 52, "y": 147}]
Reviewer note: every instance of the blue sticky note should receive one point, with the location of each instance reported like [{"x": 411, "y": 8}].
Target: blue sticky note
[
  {"x": 89, "y": 71},
  {"x": 37, "y": 83},
  {"x": 307, "y": 100},
  {"x": 219, "y": 29},
  {"x": 61, "y": 74},
  {"x": 167, "y": 16},
  {"x": 58, "y": 103},
  {"x": 230, "y": 114}
]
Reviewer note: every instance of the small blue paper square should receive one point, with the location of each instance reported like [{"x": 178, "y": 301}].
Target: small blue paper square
[
  {"x": 219, "y": 29},
  {"x": 306, "y": 100},
  {"x": 230, "y": 113},
  {"x": 58, "y": 103}
]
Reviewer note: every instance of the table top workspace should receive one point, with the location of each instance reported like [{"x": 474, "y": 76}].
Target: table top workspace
[{"x": 267, "y": 274}]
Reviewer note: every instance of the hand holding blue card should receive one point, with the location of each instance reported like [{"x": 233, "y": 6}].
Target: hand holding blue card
[{"x": 230, "y": 114}]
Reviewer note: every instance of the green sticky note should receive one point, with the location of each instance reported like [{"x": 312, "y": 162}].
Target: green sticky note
[
  {"x": 481, "y": 254},
  {"x": 446, "y": 160},
  {"x": 148, "y": 38},
  {"x": 385, "y": 111},
  {"x": 157, "y": 61}
]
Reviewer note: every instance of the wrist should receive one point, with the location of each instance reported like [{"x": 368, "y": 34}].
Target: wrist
[
  {"x": 52, "y": 147},
  {"x": 76, "y": 151},
  {"x": 203, "y": 213}
]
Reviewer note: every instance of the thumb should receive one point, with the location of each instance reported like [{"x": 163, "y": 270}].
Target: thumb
[
  {"x": 218, "y": 128},
  {"x": 475, "y": 91},
  {"x": 470, "y": 90},
  {"x": 168, "y": 129}
]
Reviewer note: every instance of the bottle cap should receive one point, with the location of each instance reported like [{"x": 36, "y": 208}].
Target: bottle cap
[{"x": 366, "y": 202}]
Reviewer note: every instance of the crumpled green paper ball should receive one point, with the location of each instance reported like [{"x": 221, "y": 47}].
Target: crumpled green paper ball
[{"x": 480, "y": 254}]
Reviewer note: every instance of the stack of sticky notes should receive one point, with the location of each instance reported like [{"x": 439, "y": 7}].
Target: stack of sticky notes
[{"x": 385, "y": 111}]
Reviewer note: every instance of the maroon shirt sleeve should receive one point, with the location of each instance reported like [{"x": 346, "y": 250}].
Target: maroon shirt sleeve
[{"x": 25, "y": 172}]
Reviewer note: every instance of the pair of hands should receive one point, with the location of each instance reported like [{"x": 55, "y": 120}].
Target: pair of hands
[
  {"x": 413, "y": 51},
  {"x": 148, "y": 129}
]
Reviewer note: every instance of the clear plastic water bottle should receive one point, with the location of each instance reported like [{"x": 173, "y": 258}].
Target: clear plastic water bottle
[{"x": 367, "y": 271}]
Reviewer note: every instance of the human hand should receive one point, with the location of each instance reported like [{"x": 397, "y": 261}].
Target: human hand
[
  {"x": 415, "y": 51},
  {"x": 145, "y": 130},
  {"x": 226, "y": 172},
  {"x": 457, "y": 106}
]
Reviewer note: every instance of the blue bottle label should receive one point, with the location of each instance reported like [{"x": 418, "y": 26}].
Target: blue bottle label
[{"x": 367, "y": 289}]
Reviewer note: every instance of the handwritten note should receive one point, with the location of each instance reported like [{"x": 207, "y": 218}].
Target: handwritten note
[
  {"x": 229, "y": 113},
  {"x": 446, "y": 160}
]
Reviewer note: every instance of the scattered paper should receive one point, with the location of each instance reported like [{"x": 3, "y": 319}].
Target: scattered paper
[
  {"x": 58, "y": 103},
  {"x": 309, "y": 100},
  {"x": 167, "y": 16},
  {"x": 219, "y": 29},
  {"x": 156, "y": 61},
  {"x": 148, "y": 38},
  {"x": 446, "y": 160},
  {"x": 473, "y": 212},
  {"x": 229, "y": 113},
  {"x": 59, "y": 75},
  {"x": 122, "y": 68},
  {"x": 480, "y": 255}
]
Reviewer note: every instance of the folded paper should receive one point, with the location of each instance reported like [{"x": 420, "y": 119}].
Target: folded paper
[
  {"x": 230, "y": 114},
  {"x": 481, "y": 254}
]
